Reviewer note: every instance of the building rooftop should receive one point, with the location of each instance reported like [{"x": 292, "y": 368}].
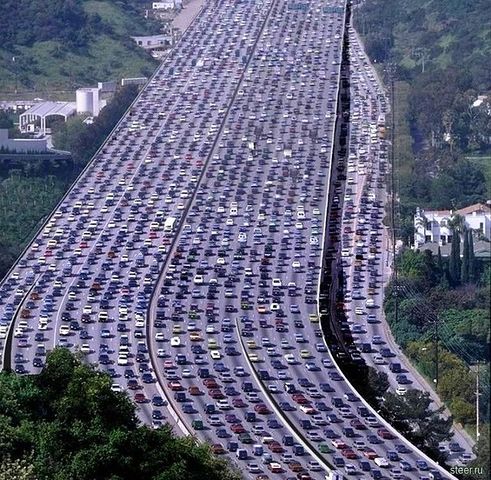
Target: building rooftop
[
  {"x": 44, "y": 109},
  {"x": 482, "y": 248},
  {"x": 476, "y": 208}
]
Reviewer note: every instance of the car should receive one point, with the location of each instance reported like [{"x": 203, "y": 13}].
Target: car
[
  {"x": 253, "y": 468},
  {"x": 350, "y": 469},
  {"x": 64, "y": 330},
  {"x": 217, "y": 449},
  {"x": 405, "y": 466},
  {"x": 381, "y": 462},
  {"x": 370, "y": 453},
  {"x": 385, "y": 434}
]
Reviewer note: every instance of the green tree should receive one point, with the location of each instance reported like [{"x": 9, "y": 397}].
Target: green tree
[
  {"x": 482, "y": 451},
  {"x": 67, "y": 424},
  {"x": 465, "y": 259},
  {"x": 454, "y": 263},
  {"x": 377, "y": 381},
  {"x": 412, "y": 416},
  {"x": 18, "y": 469}
]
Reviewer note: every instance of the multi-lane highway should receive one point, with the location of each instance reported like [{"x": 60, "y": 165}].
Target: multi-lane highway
[
  {"x": 365, "y": 244},
  {"x": 185, "y": 261}
]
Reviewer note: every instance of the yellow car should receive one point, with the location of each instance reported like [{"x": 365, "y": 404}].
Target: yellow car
[
  {"x": 176, "y": 329},
  {"x": 305, "y": 354},
  {"x": 212, "y": 344},
  {"x": 251, "y": 344},
  {"x": 313, "y": 318}
]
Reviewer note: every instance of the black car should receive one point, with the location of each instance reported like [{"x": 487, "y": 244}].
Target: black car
[
  {"x": 20, "y": 369},
  {"x": 37, "y": 362}
]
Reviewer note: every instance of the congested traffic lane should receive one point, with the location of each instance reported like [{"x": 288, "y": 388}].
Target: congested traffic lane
[
  {"x": 124, "y": 190},
  {"x": 369, "y": 260},
  {"x": 286, "y": 105},
  {"x": 241, "y": 260},
  {"x": 221, "y": 210}
]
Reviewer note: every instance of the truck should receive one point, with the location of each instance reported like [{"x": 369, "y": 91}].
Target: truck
[{"x": 169, "y": 224}]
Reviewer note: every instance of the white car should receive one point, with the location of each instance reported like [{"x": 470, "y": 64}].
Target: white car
[
  {"x": 381, "y": 462},
  {"x": 290, "y": 359},
  {"x": 123, "y": 359},
  {"x": 64, "y": 330},
  {"x": 401, "y": 390},
  {"x": 175, "y": 342},
  {"x": 18, "y": 333},
  {"x": 215, "y": 355}
]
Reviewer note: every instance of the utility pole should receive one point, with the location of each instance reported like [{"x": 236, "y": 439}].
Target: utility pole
[
  {"x": 390, "y": 70},
  {"x": 477, "y": 404},
  {"x": 435, "y": 340}
]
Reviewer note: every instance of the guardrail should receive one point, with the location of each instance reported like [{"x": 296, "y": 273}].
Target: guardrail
[
  {"x": 272, "y": 401},
  {"x": 186, "y": 210},
  {"x": 81, "y": 175},
  {"x": 365, "y": 403}
]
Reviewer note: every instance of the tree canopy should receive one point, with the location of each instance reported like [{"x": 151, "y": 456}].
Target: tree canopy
[{"x": 67, "y": 424}]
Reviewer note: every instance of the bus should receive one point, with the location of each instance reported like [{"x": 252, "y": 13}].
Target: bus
[{"x": 169, "y": 224}]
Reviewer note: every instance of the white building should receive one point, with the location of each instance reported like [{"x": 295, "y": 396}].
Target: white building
[
  {"x": 22, "y": 145},
  {"x": 150, "y": 42},
  {"x": 167, "y": 5},
  {"x": 42, "y": 111},
  {"x": 88, "y": 101},
  {"x": 432, "y": 226}
]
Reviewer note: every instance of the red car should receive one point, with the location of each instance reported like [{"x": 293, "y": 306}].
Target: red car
[
  {"x": 299, "y": 398},
  {"x": 348, "y": 453},
  {"x": 175, "y": 386},
  {"x": 385, "y": 434},
  {"x": 237, "y": 428},
  {"x": 238, "y": 403},
  {"x": 276, "y": 447},
  {"x": 140, "y": 398},
  {"x": 210, "y": 383},
  {"x": 370, "y": 454},
  {"x": 262, "y": 409},
  {"x": 216, "y": 394}
]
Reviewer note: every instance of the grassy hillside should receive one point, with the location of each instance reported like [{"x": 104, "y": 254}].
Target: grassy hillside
[{"x": 90, "y": 44}]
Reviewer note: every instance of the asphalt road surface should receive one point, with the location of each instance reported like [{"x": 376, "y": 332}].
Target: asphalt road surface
[{"x": 185, "y": 261}]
